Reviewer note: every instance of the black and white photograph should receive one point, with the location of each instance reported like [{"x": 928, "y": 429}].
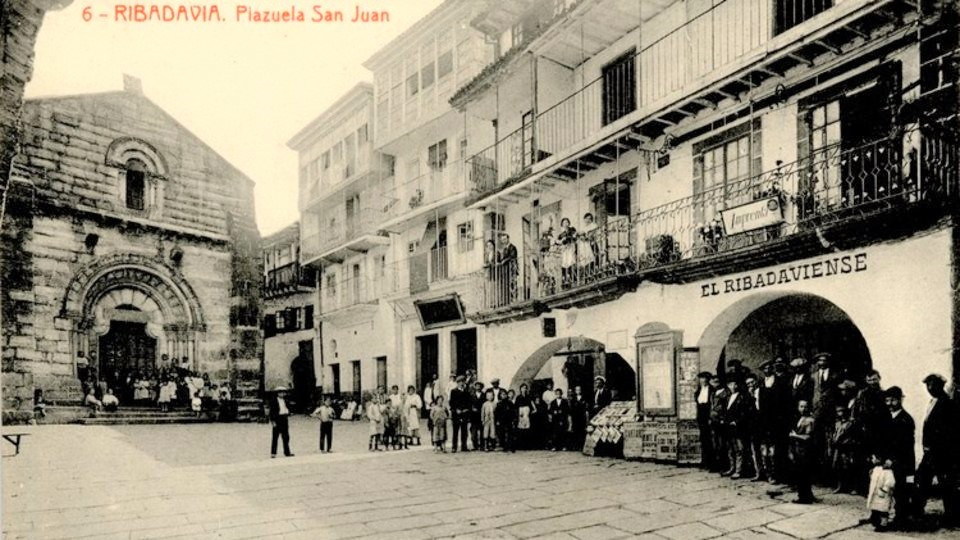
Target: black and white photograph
[{"x": 480, "y": 269}]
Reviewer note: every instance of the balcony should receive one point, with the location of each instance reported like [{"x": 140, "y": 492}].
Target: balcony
[
  {"x": 337, "y": 176},
  {"x": 288, "y": 279},
  {"x": 854, "y": 196},
  {"x": 349, "y": 296},
  {"x": 576, "y": 270},
  {"x": 438, "y": 190},
  {"x": 351, "y": 233},
  {"x": 715, "y": 57}
]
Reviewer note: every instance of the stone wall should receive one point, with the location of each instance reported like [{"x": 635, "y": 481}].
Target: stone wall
[{"x": 67, "y": 218}]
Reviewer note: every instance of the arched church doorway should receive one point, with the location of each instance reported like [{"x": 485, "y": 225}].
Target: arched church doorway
[
  {"x": 784, "y": 325},
  {"x": 126, "y": 347},
  {"x": 566, "y": 363}
]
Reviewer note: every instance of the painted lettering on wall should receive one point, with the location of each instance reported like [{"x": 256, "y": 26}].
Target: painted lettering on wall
[{"x": 834, "y": 266}]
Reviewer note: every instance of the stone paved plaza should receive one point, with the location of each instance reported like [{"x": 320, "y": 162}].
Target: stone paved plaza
[{"x": 217, "y": 481}]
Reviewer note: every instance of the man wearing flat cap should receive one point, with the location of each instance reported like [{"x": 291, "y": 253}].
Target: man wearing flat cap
[
  {"x": 279, "y": 415},
  {"x": 899, "y": 449},
  {"x": 801, "y": 387},
  {"x": 775, "y": 421},
  {"x": 941, "y": 444},
  {"x": 825, "y": 381}
]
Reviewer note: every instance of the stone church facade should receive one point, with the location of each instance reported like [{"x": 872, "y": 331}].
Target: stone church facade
[{"x": 125, "y": 238}]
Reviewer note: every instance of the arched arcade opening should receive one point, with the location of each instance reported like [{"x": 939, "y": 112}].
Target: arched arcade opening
[
  {"x": 576, "y": 361},
  {"x": 784, "y": 325}
]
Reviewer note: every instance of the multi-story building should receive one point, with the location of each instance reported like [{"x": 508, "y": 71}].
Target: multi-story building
[
  {"x": 341, "y": 179},
  {"x": 688, "y": 183},
  {"x": 289, "y": 291},
  {"x": 128, "y": 246},
  {"x": 436, "y": 251}
]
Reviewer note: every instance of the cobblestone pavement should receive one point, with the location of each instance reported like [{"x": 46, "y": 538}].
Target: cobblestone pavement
[{"x": 216, "y": 481}]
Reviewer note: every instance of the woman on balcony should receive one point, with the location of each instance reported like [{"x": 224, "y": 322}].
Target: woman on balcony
[
  {"x": 567, "y": 240},
  {"x": 587, "y": 250}
]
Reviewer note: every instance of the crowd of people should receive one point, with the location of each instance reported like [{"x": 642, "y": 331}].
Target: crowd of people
[
  {"x": 168, "y": 386},
  {"x": 473, "y": 416},
  {"x": 797, "y": 425}
]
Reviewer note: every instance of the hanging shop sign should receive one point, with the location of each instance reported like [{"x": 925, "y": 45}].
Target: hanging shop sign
[{"x": 751, "y": 216}]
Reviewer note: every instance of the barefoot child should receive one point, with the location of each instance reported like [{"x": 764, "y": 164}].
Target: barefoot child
[
  {"x": 488, "y": 419},
  {"x": 438, "y": 418}
]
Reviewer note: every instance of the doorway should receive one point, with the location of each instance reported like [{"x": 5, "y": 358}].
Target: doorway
[
  {"x": 464, "y": 351},
  {"x": 124, "y": 349},
  {"x": 335, "y": 372},
  {"x": 304, "y": 379},
  {"x": 428, "y": 358},
  {"x": 357, "y": 382}
]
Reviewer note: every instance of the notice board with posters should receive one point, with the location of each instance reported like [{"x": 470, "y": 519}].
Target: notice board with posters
[
  {"x": 688, "y": 443},
  {"x": 687, "y": 384},
  {"x": 657, "y": 354}
]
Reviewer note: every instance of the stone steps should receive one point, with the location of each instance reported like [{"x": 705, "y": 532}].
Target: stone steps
[{"x": 159, "y": 418}]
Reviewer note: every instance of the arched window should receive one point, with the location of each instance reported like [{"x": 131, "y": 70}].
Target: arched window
[{"x": 136, "y": 184}]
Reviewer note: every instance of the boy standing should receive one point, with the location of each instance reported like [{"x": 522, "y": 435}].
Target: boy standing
[
  {"x": 801, "y": 453},
  {"x": 325, "y": 414}
]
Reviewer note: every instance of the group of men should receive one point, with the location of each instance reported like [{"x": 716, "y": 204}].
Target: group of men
[
  {"x": 793, "y": 424},
  {"x": 547, "y": 420}
]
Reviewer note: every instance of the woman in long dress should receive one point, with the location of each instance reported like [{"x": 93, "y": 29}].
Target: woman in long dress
[
  {"x": 567, "y": 240},
  {"x": 412, "y": 406},
  {"x": 375, "y": 416},
  {"x": 524, "y": 408}
]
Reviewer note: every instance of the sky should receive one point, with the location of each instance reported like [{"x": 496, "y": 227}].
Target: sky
[{"x": 244, "y": 88}]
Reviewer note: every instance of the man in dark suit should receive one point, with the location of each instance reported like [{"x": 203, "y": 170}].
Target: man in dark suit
[
  {"x": 476, "y": 403},
  {"x": 737, "y": 415},
  {"x": 579, "y": 418},
  {"x": 460, "y": 403},
  {"x": 704, "y": 396},
  {"x": 899, "y": 449},
  {"x": 601, "y": 395},
  {"x": 870, "y": 417},
  {"x": 279, "y": 414},
  {"x": 801, "y": 386},
  {"x": 824, "y": 392},
  {"x": 559, "y": 411},
  {"x": 775, "y": 421},
  {"x": 718, "y": 407},
  {"x": 941, "y": 444}
]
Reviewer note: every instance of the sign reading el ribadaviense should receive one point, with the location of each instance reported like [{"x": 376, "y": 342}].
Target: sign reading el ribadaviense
[{"x": 841, "y": 264}]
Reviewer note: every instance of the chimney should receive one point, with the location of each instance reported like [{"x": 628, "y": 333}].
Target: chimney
[{"x": 132, "y": 84}]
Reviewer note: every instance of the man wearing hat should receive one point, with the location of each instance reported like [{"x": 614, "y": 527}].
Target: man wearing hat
[
  {"x": 460, "y": 412},
  {"x": 704, "y": 398},
  {"x": 941, "y": 444},
  {"x": 279, "y": 414},
  {"x": 870, "y": 418},
  {"x": 825, "y": 381},
  {"x": 775, "y": 420},
  {"x": 899, "y": 450},
  {"x": 601, "y": 395},
  {"x": 801, "y": 387}
]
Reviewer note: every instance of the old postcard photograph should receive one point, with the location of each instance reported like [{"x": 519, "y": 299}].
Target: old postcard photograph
[{"x": 423, "y": 269}]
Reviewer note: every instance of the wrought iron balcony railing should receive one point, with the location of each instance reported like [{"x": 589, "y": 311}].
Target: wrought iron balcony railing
[
  {"x": 682, "y": 62},
  {"x": 287, "y": 278},
  {"x": 833, "y": 186},
  {"x": 564, "y": 263}
]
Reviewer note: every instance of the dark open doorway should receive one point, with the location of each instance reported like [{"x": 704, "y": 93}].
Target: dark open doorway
[
  {"x": 428, "y": 358},
  {"x": 125, "y": 349},
  {"x": 304, "y": 379},
  {"x": 464, "y": 350}
]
